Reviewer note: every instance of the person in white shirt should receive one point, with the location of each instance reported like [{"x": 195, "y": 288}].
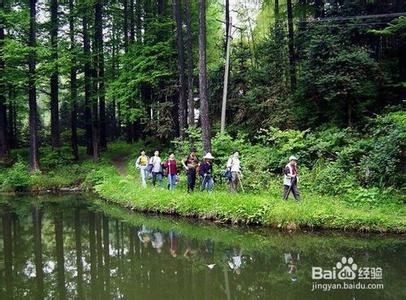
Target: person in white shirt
[
  {"x": 156, "y": 163},
  {"x": 234, "y": 165}
]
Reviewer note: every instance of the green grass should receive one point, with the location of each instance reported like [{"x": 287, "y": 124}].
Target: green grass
[{"x": 265, "y": 208}]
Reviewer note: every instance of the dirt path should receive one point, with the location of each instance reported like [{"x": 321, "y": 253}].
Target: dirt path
[{"x": 119, "y": 162}]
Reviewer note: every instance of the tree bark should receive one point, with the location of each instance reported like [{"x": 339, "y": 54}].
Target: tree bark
[
  {"x": 292, "y": 59},
  {"x": 113, "y": 76},
  {"x": 73, "y": 83},
  {"x": 132, "y": 21},
  {"x": 227, "y": 21},
  {"x": 94, "y": 106},
  {"x": 189, "y": 54},
  {"x": 125, "y": 25},
  {"x": 138, "y": 21},
  {"x": 4, "y": 145},
  {"x": 54, "y": 81},
  {"x": 181, "y": 69},
  {"x": 100, "y": 71},
  {"x": 204, "y": 104},
  {"x": 32, "y": 90},
  {"x": 87, "y": 80}
]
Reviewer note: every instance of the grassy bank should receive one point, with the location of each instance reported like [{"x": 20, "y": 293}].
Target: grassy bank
[{"x": 263, "y": 208}]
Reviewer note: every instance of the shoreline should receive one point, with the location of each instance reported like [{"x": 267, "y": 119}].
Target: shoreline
[
  {"x": 283, "y": 224},
  {"x": 264, "y": 210}
]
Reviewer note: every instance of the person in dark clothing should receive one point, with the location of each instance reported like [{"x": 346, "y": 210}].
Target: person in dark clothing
[
  {"x": 190, "y": 164},
  {"x": 290, "y": 179},
  {"x": 205, "y": 172}
]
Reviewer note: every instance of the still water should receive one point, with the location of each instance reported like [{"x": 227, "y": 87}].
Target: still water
[{"x": 78, "y": 247}]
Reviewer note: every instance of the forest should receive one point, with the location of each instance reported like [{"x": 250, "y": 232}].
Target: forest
[{"x": 87, "y": 82}]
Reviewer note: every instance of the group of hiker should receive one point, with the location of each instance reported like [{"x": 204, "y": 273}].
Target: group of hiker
[{"x": 157, "y": 169}]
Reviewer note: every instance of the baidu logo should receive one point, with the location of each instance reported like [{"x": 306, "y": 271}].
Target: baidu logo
[
  {"x": 346, "y": 274},
  {"x": 346, "y": 269}
]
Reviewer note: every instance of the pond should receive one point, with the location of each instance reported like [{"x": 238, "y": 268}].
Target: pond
[{"x": 76, "y": 246}]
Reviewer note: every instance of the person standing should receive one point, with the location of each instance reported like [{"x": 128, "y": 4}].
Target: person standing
[
  {"x": 141, "y": 163},
  {"x": 205, "y": 172},
  {"x": 190, "y": 164},
  {"x": 156, "y": 163},
  {"x": 234, "y": 165},
  {"x": 172, "y": 172},
  {"x": 290, "y": 179}
]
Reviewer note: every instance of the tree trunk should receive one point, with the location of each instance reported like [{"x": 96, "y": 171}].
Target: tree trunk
[
  {"x": 189, "y": 54},
  {"x": 4, "y": 146},
  {"x": 138, "y": 8},
  {"x": 94, "y": 107},
  {"x": 54, "y": 81},
  {"x": 87, "y": 81},
  {"x": 125, "y": 24},
  {"x": 73, "y": 83},
  {"x": 113, "y": 75},
  {"x": 292, "y": 59},
  {"x": 10, "y": 123},
  {"x": 204, "y": 103},
  {"x": 132, "y": 21},
  {"x": 225, "y": 84},
  {"x": 227, "y": 23},
  {"x": 100, "y": 71},
  {"x": 32, "y": 90},
  {"x": 181, "y": 69}
]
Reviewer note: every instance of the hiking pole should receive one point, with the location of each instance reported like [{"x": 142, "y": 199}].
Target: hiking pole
[
  {"x": 202, "y": 187},
  {"x": 239, "y": 180}
]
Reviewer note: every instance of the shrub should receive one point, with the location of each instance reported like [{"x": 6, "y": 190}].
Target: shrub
[{"x": 17, "y": 177}]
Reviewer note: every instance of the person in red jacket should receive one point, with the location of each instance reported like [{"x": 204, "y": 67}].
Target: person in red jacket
[{"x": 171, "y": 171}]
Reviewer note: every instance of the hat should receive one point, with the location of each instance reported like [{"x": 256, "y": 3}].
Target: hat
[
  {"x": 292, "y": 157},
  {"x": 208, "y": 156}
]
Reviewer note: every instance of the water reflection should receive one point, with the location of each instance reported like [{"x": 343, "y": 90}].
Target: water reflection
[{"x": 65, "y": 250}]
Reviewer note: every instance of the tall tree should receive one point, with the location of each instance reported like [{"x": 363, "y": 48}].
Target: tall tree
[
  {"x": 3, "y": 108},
  {"x": 189, "y": 54},
  {"x": 132, "y": 20},
  {"x": 291, "y": 47},
  {"x": 203, "y": 94},
  {"x": 227, "y": 23},
  {"x": 32, "y": 89},
  {"x": 138, "y": 20},
  {"x": 181, "y": 69},
  {"x": 125, "y": 24},
  {"x": 98, "y": 20},
  {"x": 73, "y": 82},
  {"x": 54, "y": 78},
  {"x": 87, "y": 79}
]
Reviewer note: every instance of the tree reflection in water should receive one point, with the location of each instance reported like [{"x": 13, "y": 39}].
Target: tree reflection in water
[{"x": 68, "y": 249}]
